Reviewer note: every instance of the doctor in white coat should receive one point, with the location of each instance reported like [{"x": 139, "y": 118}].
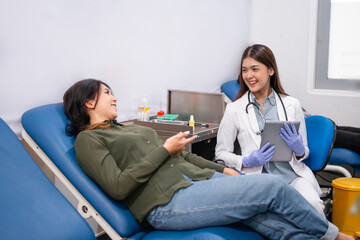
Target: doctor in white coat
[{"x": 261, "y": 98}]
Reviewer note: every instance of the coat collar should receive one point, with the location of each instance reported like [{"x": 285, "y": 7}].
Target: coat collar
[{"x": 250, "y": 120}]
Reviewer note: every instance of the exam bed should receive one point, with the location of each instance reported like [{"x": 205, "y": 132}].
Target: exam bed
[
  {"x": 44, "y": 131},
  {"x": 30, "y": 206}
]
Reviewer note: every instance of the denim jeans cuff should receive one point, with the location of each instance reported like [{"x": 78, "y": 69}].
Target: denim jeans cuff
[{"x": 331, "y": 233}]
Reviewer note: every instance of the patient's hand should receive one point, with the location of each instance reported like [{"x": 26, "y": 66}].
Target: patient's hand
[
  {"x": 177, "y": 143},
  {"x": 230, "y": 171}
]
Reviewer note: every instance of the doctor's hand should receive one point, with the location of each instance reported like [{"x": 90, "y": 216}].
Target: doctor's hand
[
  {"x": 259, "y": 157},
  {"x": 293, "y": 139},
  {"x": 177, "y": 143}
]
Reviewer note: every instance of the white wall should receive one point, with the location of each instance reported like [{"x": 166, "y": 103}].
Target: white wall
[
  {"x": 141, "y": 48},
  {"x": 288, "y": 27}
]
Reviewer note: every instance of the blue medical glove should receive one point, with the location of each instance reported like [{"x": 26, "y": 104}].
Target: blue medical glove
[
  {"x": 293, "y": 139},
  {"x": 259, "y": 157}
]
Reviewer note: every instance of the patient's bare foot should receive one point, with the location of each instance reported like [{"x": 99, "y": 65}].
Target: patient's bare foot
[{"x": 342, "y": 236}]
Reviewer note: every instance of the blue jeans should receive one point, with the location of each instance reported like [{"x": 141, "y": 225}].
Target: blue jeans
[{"x": 264, "y": 202}]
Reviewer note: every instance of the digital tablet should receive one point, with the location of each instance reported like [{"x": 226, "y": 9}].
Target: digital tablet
[{"x": 271, "y": 133}]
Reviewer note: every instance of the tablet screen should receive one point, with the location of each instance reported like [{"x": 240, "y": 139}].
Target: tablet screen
[{"x": 271, "y": 134}]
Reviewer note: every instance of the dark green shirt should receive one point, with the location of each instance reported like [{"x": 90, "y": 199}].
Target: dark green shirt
[{"x": 130, "y": 163}]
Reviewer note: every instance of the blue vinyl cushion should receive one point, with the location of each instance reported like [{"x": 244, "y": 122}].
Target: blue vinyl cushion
[
  {"x": 211, "y": 233},
  {"x": 46, "y": 126},
  {"x": 321, "y": 137},
  {"x": 30, "y": 205},
  {"x": 343, "y": 156},
  {"x": 231, "y": 89}
]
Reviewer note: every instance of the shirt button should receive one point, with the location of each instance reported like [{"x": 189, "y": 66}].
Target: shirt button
[
  {"x": 148, "y": 142},
  {"x": 172, "y": 165}
]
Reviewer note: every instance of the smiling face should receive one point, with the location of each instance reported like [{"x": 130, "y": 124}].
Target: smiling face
[
  {"x": 256, "y": 77},
  {"x": 104, "y": 108}
]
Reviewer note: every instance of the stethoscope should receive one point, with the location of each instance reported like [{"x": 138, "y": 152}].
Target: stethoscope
[{"x": 254, "y": 104}]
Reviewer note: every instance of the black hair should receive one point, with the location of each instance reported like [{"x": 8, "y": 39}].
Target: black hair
[{"x": 75, "y": 99}]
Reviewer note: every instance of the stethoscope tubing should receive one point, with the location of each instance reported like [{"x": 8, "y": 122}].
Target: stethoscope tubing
[{"x": 254, "y": 104}]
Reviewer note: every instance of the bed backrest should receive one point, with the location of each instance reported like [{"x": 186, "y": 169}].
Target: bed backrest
[
  {"x": 30, "y": 206},
  {"x": 46, "y": 126}
]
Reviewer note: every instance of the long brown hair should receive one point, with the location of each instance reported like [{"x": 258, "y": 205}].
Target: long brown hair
[{"x": 264, "y": 55}]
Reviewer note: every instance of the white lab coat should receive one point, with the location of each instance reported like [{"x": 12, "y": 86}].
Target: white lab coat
[{"x": 236, "y": 124}]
